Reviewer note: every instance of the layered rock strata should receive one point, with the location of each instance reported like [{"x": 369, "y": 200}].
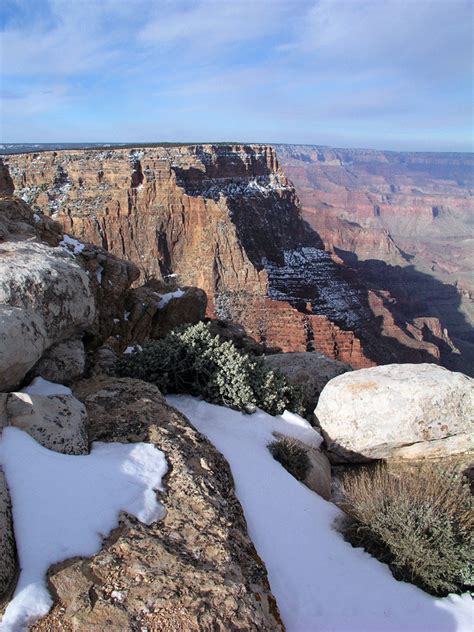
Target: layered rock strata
[{"x": 225, "y": 219}]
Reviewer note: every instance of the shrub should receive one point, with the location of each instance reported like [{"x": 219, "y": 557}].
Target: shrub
[
  {"x": 292, "y": 456},
  {"x": 420, "y": 523},
  {"x": 191, "y": 360}
]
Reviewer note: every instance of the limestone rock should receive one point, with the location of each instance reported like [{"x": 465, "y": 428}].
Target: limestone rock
[
  {"x": 194, "y": 570},
  {"x": 398, "y": 411},
  {"x": 63, "y": 363},
  {"x": 57, "y": 422},
  {"x": 45, "y": 297},
  {"x": 310, "y": 371}
]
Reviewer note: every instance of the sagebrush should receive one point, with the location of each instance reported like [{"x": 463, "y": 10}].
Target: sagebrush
[
  {"x": 191, "y": 360},
  {"x": 292, "y": 455},
  {"x": 420, "y": 523}
]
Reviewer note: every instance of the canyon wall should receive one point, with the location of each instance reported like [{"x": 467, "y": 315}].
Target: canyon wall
[
  {"x": 226, "y": 219},
  {"x": 404, "y": 223}
]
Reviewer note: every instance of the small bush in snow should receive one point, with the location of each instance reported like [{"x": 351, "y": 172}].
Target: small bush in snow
[
  {"x": 418, "y": 523},
  {"x": 292, "y": 456},
  {"x": 193, "y": 361}
]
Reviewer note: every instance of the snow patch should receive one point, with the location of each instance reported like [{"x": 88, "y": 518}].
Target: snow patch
[
  {"x": 69, "y": 244},
  {"x": 166, "y": 298},
  {"x": 321, "y": 583},
  {"x": 63, "y": 507},
  {"x": 133, "y": 349}
]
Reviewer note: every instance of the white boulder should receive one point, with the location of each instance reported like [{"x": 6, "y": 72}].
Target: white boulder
[
  {"x": 397, "y": 411},
  {"x": 45, "y": 298}
]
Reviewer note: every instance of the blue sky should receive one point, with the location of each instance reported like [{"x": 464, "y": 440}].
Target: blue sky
[{"x": 389, "y": 74}]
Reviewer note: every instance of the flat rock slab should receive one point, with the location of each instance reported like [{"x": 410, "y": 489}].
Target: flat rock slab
[
  {"x": 398, "y": 411},
  {"x": 196, "y": 569}
]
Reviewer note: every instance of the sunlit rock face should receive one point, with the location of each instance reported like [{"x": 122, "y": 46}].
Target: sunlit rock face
[
  {"x": 404, "y": 223},
  {"x": 224, "y": 218}
]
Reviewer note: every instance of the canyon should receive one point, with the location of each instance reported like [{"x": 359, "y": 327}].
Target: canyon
[
  {"x": 227, "y": 219},
  {"x": 403, "y": 222}
]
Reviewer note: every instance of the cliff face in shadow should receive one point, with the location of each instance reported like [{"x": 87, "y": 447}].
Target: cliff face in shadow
[{"x": 226, "y": 219}]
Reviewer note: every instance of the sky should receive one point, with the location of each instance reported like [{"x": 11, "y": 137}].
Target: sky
[{"x": 387, "y": 74}]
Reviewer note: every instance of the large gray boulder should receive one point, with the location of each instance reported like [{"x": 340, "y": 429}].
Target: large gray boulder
[
  {"x": 310, "y": 371},
  {"x": 398, "y": 411},
  {"x": 45, "y": 298}
]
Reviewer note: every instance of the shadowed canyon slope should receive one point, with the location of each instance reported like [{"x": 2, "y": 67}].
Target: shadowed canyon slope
[
  {"x": 405, "y": 223},
  {"x": 225, "y": 218}
]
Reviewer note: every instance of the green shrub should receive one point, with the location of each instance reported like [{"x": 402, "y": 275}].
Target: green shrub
[
  {"x": 193, "y": 361},
  {"x": 420, "y": 523},
  {"x": 292, "y": 456}
]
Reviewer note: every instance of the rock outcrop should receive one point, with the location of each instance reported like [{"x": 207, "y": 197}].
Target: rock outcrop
[
  {"x": 309, "y": 371},
  {"x": 45, "y": 298},
  {"x": 397, "y": 411},
  {"x": 194, "y": 570},
  {"x": 403, "y": 222}
]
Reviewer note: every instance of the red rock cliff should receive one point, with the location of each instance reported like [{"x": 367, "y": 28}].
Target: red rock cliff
[{"x": 223, "y": 218}]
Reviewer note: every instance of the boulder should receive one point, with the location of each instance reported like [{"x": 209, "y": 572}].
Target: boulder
[
  {"x": 45, "y": 298},
  {"x": 197, "y": 568},
  {"x": 16, "y": 218},
  {"x": 57, "y": 422},
  {"x": 63, "y": 363},
  {"x": 310, "y": 371},
  {"x": 397, "y": 411}
]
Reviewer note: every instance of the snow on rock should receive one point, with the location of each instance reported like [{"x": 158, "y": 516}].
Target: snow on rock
[
  {"x": 69, "y": 244},
  {"x": 63, "y": 506},
  {"x": 321, "y": 583},
  {"x": 166, "y": 298},
  {"x": 133, "y": 349},
  {"x": 39, "y": 386}
]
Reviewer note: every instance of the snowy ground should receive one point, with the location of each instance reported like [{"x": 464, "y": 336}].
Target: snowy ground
[
  {"x": 321, "y": 583},
  {"x": 63, "y": 506}
]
